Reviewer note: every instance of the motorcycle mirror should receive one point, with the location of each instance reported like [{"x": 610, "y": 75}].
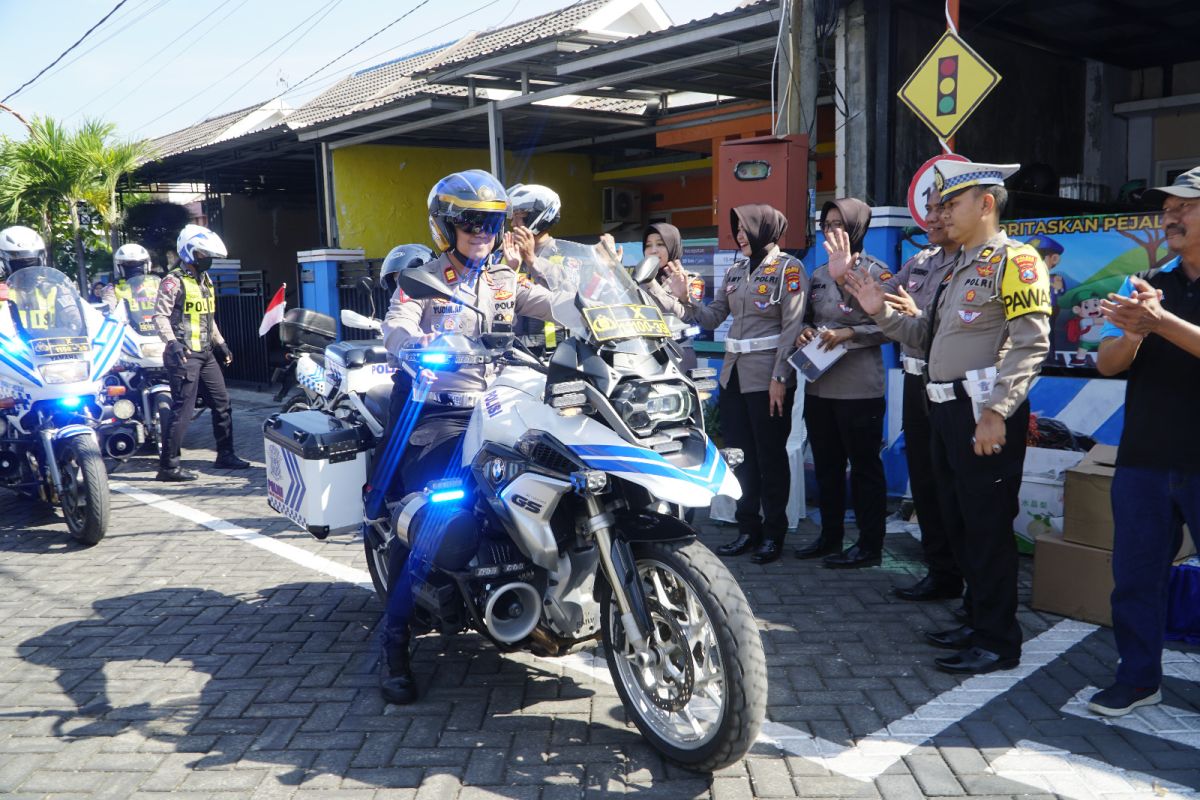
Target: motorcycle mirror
[
  {"x": 421, "y": 285},
  {"x": 352, "y": 319},
  {"x": 368, "y": 286},
  {"x": 646, "y": 269}
]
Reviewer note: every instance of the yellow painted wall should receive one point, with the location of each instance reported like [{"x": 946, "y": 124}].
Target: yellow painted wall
[{"x": 380, "y": 191}]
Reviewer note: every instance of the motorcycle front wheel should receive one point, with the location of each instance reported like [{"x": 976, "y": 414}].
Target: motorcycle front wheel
[
  {"x": 84, "y": 495},
  {"x": 701, "y": 697}
]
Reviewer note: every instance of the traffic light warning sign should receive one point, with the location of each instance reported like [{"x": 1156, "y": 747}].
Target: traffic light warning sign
[{"x": 950, "y": 83}]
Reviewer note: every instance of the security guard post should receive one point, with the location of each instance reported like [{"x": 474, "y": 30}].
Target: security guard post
[
  {"x": 184, "y": 315},
  {"x": 913, "y": 288},
  {"x": 986, "y": 337}
]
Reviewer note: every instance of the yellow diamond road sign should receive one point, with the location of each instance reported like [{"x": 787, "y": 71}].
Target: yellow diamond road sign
[{"x": 949, "y": 84}]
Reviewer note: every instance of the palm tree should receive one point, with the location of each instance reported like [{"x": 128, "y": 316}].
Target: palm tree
[{"x": 53, "y": 171}]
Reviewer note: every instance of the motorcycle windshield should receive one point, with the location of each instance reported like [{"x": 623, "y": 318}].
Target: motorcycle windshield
[
  {"x": 139, "y": 305},
  {"x": 608, "y": 306},
  {"x": 47, "y": 311}
]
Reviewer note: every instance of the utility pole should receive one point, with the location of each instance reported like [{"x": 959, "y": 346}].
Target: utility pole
[
  {"x": 796, "y": 78},
  {"x": 952, "y": 26}
]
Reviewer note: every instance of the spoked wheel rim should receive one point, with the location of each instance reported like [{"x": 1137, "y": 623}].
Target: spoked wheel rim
[
  {"x": 74, "y": 492},
  {"x": 680, "y": 691}
]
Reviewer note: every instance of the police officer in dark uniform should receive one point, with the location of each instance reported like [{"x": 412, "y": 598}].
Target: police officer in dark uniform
[
  {"x": 986, "y": 337},
  {"x": 913, "y": 288},
  {"x": 184, "y": 314}
]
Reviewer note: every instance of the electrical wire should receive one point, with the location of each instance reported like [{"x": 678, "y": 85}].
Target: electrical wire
[
  {"x": 229, "y": 74},
  {"x": 64, "y": 53},
  {"x": 115, "y": 33}
]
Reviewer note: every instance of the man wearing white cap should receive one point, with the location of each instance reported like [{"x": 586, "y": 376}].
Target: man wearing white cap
[
  {"x": 985, "y": 336},
  {"x": 1153, "y": 331}
]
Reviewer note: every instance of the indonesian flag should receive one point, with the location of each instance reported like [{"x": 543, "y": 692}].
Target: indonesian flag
[{"x": 275, "y": 310}]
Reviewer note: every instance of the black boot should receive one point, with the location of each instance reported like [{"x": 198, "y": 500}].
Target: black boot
[
  {"x": 767, "y": 552},
  {"x": 229, "y": 460},
  {"x": 396, "y": 680},
  {"x": 744, "y": 543},
  {"x": 823, "y": 546}
]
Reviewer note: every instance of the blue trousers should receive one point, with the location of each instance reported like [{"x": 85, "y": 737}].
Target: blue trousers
[{"x": 1149, "y": 509}]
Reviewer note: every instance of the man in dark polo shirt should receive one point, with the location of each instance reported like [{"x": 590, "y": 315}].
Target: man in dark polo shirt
[{"x": 1153, "y": 331}]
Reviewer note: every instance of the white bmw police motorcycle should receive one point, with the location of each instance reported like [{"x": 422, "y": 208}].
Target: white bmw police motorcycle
[
  {"x": 54, "y": 352},
  {"x": 568, "y": 525}
]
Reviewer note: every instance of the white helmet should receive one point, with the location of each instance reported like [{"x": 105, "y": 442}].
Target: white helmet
[
  {"x": 540, "y": 205},
  {"x": 196, "y": 241},
  {"x": 20, "y": 247},
  {"x": 130, "y": 260}
]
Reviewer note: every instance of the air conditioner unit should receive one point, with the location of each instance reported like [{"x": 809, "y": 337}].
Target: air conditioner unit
[{"x": 622, "y": 205}]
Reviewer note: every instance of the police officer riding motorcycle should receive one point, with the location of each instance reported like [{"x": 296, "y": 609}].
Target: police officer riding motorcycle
[{"x": 184, "y": 314}]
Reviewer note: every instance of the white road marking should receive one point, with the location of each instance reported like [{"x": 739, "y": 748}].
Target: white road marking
[
  {"x": 1178, "y": 725},
  {"x": 1068, "y": 775},
  {"x": 866, "y": 760}
]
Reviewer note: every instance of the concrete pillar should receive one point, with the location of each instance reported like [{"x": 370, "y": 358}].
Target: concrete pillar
[
  {"x": 852, "y": 73},
  {"x": 496, "y": 142},
  {"x": 1105, "y": 135},
  {"x": 318, "y": 280}
]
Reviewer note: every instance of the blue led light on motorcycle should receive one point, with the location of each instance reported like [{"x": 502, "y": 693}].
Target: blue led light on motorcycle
[
  {"x": 447, "y": 496},
  {"x": 70, "y": 402},
  {"x": 435, "y": 359}
]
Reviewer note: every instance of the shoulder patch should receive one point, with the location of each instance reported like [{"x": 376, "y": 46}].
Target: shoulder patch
[
  {"x": 885, "y": 275},
  {"x": 1025, "y": 285},
  {"x": 696, "y": 289},
  {"x": 169, "y": 284},
  {"x": 791, "y": 276}
]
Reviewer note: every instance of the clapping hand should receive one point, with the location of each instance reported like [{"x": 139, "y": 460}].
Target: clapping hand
[
  {"x": 866, "y": 290},
  {"x": 837, "y": 246},
  {"x": 903, "y": 302},
  {"x": 525, "y": 242},
  {"x": 1136, "y": 315}
]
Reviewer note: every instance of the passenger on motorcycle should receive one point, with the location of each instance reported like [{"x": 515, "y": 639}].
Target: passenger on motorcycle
[
  {"x": 467, "y": 212},
  {"x": 22, "y": 247},
  {"x": 535, "y": 209},
  {"x": 130, "y": 261}
]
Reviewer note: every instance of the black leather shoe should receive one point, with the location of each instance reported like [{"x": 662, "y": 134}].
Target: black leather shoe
[
  {"x": 961, "y": 614},
  {"x": 954, "y": 639},
  {"x": 396, "y": 680},
  {"x": 742, "y": 544},
  {"x": 930, "y": 588},
  {"x": 975, "y": 661},
  {"x": 853, "y": 558},
  {"x": 767, "y": 552},
  {"x": 821, "y": 547},
  {"x": 230, "y": 461},
  {"x": 177, "y": 475}
]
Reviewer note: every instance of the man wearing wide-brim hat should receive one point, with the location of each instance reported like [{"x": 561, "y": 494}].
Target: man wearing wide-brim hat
[
  {"x": 1153, "y": 331},
  {"x": 985, "y": 335}
]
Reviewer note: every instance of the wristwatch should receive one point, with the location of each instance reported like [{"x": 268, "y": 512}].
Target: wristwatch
[{"x": 779, "y": 378}]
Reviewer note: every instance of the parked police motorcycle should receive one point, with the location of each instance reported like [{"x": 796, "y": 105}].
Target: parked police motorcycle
[
  {"x": 567, "y": 526},
  {"x": 54, "y": 352}
]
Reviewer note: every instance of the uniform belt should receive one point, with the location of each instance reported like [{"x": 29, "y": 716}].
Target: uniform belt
[
  {"x": 913, "y": 366},
  {"x": 752, "y": 345},
  {"x": 456, "y": 399},
  {"x": 946, "y": 392}
]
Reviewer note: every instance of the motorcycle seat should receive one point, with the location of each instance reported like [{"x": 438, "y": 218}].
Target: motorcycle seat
[{"x": 378, "y": 401}]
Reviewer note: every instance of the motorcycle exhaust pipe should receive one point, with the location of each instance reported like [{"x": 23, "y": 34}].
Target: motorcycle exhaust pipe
[
  {"x": 512, "y": 612},
  {"x": 120, "y": 444}
]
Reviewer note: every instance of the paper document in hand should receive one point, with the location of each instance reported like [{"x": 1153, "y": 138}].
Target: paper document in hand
[{"x": 812, "y": 360}]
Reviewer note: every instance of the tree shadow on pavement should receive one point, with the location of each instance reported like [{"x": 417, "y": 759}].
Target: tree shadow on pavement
[{"x": 288, "y": 677}]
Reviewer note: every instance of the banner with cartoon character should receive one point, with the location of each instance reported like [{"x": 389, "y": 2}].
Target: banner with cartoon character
[{"x": 1087, "y": 257}]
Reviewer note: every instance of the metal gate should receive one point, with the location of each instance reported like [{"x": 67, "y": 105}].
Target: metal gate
[
  {"x": 240, "y": 307},
  {"x": 352, "y": 294}
]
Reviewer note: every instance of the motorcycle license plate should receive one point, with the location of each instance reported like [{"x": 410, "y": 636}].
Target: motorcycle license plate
[
  {"x": 626, "y": 321},
  {"x": 61, "y": 346}
]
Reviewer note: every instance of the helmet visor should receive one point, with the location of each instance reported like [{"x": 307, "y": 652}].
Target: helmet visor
[{"x": 490, "y": 222}]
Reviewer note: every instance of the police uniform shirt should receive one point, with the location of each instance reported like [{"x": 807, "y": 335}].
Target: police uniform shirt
[
  {"x": 495, "y": 289},
  {"x": 992, "y": 310},
  {"x": 859, "y": 374},
  {"x": 169, "y": 309},
  {"x": 765, "y": 301},
  {"x": 921, "y": 276}
]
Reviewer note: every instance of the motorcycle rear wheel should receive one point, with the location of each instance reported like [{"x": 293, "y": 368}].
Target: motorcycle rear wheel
[
  {"x": 84, "y": 497},
  {"x": 702, "y": 698},
  {"x": 297, "y": 401}
]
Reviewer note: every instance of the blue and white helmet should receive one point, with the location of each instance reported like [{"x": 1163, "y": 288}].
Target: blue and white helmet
[{"x": 197, "y": 241}]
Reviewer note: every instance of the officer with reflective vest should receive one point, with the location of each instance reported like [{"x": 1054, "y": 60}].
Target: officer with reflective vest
[
  {"x": 130, "y": 261},
  {"x": 184, "y": 314},
  {"x": 22, "y": 247}
]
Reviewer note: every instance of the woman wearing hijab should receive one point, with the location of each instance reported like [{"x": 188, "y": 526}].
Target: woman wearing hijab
[
  {"x": 844, "y": 407},
  {"x": 764, "y": 292},
  {"x": 664, "y": 241}
]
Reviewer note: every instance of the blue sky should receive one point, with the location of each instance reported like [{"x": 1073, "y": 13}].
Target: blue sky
[{"x": 229, "y": 53}]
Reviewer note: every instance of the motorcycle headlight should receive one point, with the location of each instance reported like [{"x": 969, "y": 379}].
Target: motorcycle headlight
[
  {"x": 71, "y": 371},
  {"x": 153, "y": 349},
  {"x": 124, "y": 409},
  {"x": 646, "y": 406}
]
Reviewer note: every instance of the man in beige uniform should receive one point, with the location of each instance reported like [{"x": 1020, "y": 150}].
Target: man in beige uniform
[{"x": 987, "y": 333}]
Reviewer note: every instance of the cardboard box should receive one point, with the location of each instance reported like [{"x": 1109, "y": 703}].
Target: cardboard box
[
  {"x": 1041, "y": 509},
  {"x": 1072, "y": 580},
  {"x": 1087, "y": 508},
  {"x": 1075, "y": 580}
]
